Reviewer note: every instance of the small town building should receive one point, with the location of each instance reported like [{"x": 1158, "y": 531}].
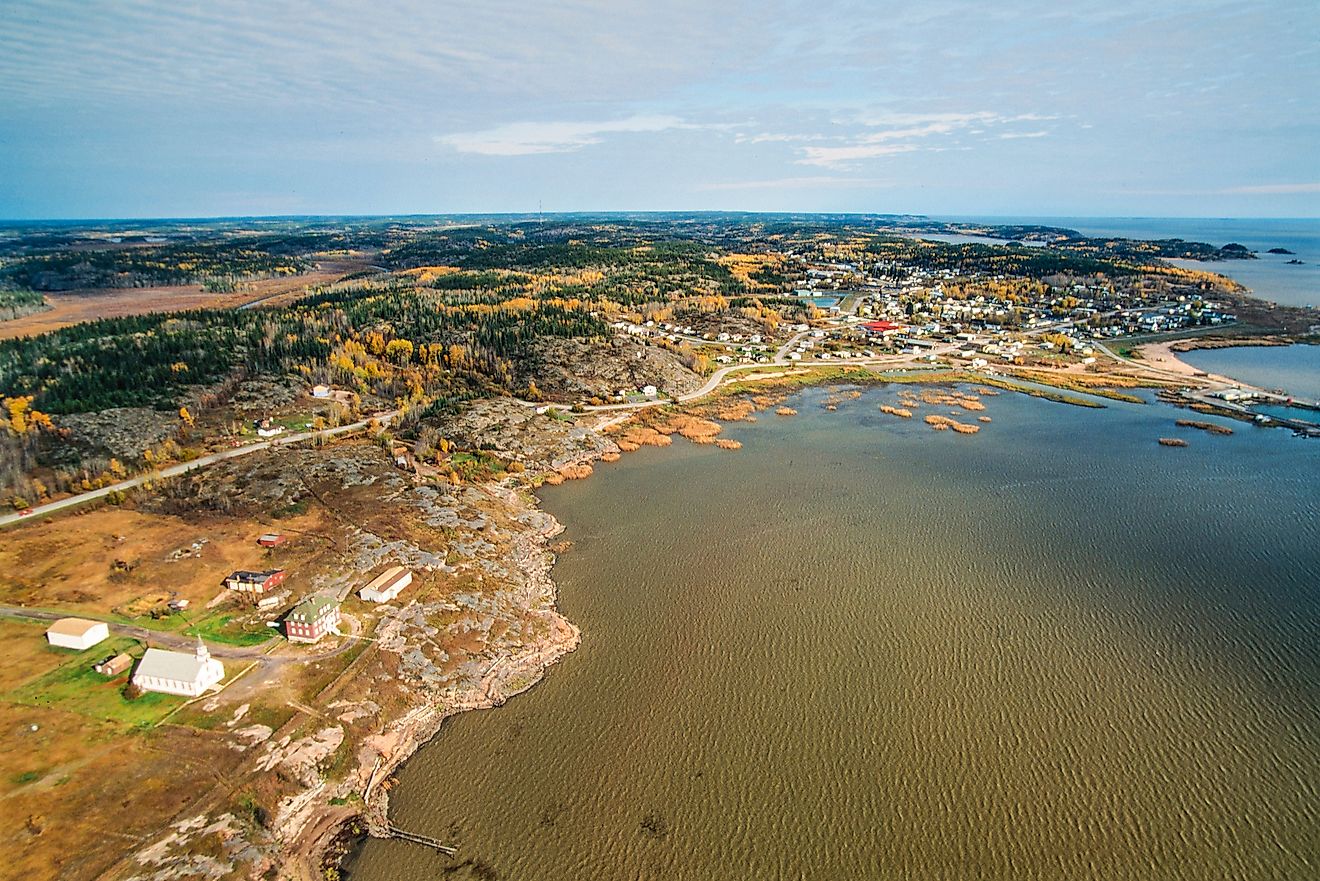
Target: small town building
[
  {"x": 77, "y": 633},
  {"x": 267, "y": 428},
  {"x": 387, "y": 585},
  {"x": 650, "y": 391},
  {"x": 312, "y": 619},
  {"x": 320, "y": 391},
  {"x": 256, "y": 583},
  {"x": 271, "y": 540},
  {"x": 271, "y": 600},
  {"x": 883, "y": 328},
  {"x": 183, "y": 673},
  {"x": 112, "y": 667}
]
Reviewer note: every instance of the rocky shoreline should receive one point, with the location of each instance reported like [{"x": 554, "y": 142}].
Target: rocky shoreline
[{"x": 316, "y": 839}]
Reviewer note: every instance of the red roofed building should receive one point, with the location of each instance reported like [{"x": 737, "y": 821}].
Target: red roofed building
[
  {"x": 882, "y": 327},
  {"x": 244, "y": 581}
]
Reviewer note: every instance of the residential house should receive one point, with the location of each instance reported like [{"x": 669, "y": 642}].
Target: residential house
[
  {"x": 271, "y": 540},
  {"x": 267, "y": 428},
  {"x": 320, "y": 391},
  {"x": 255, "y": 583},
  {"x": 312, "y": 619}
]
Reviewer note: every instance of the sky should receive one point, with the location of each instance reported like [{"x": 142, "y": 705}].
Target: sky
[{"x": 192, "y": 108}]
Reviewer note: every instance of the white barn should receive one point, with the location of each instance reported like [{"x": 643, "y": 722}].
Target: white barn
[
  {"x": 77, "y": 633},
  {"x": 386, "y": 586},
  {"x": 183, "y": 673}
]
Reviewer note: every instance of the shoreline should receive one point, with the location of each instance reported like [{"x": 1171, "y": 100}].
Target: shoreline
[
  {"x": 310, "y": 830},
  {"x": 320, "y": 842},
  {"x": 1163, "y": 355},
  {"x": 318, "y": 838},
  {"x": 422, "y": 734}
]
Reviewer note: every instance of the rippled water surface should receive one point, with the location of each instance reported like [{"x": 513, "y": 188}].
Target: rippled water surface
[
  {"x": 1293, "y": 369},
  {"x": 858, "y": 648}
]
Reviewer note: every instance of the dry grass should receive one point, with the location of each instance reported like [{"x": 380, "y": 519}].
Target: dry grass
[
  {"x": 1211, "y": 427},
  {"x": 901, "y": 412},
  {"x": 735, "y": 410},
  {"x": 694, "y": 428},
  {"x": 943, "y": 423},
  {"x": 576, "y": 472},
  {"x": 786, "y": 411},
  {"x": 634, "y": 437},
  {"x": 79, "y": 786},
  {"x": 952, "y": 398},
  {"x": 69, "y": 562}
]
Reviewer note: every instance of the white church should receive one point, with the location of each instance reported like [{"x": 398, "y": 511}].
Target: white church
[{"x": 184, "y": 673}]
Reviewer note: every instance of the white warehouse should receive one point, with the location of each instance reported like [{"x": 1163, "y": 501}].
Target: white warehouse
[{"x": 77, "y": 633}]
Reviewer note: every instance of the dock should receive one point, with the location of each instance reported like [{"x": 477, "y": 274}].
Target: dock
[{"x": 424, "y": 840}]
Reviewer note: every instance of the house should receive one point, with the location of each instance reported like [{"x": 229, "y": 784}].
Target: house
[
  {"x": 112, "y": 667},
  {"x": 320, "y": 391},
  {"x": 387, "y": 585},
  {"x": 312, "y": 619},
  {"x": 650, "y": 391},
  {"x": 255, "y": 583},
  {"x": 184, "y": 673},
  {"x": 271, "y": 540},
  {"x": 77, "y": 633},
  {"x": 403, "y": 458}
]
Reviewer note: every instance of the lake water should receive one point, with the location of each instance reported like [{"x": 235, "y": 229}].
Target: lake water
[
  {"x": 1293, "y": 369},
  {"x": 1270, "y": 276},
  {"x": 862, "y": 649}
]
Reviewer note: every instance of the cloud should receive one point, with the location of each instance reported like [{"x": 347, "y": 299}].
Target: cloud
[
  {"x": 531, "y": 138},
  {"x": 875, "y": 134},
  {"x": 1273, "y": 189},
  {"x": 903, "y": 125},
  {"x": 845, "y": 156},
  {"x": 800, "y": 183}
]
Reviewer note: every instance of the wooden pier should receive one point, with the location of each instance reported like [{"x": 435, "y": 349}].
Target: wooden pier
[{"x": 424, "y": 840}]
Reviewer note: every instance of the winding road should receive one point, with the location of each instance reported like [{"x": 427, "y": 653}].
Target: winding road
[
  {"x": 186, "y": 467},
  {"x": 713, "y": 382}
]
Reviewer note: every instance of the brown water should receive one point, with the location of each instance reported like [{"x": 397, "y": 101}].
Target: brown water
[{"x": 858, "y": 648}]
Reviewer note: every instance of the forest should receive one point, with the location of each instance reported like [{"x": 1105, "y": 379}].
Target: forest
[{"x": 449, "y": 309}]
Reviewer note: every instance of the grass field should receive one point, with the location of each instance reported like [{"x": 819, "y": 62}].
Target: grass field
[
  {"x": 221, "y": 627},
  {"x": 75, "y": 687}
]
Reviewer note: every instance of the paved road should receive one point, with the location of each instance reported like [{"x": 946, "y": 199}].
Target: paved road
[
  {"x": 185, "y": 467},
  {"x": 182, "y": 642},
  {"x": 146, "y": 634},
  {"x": 711, "y": 384}
]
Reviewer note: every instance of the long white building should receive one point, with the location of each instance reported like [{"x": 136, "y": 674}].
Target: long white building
[{"x": 183, "y": 673}]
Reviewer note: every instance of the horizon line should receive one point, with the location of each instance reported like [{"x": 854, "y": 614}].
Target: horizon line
[{"x": 215, "y": 218}]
